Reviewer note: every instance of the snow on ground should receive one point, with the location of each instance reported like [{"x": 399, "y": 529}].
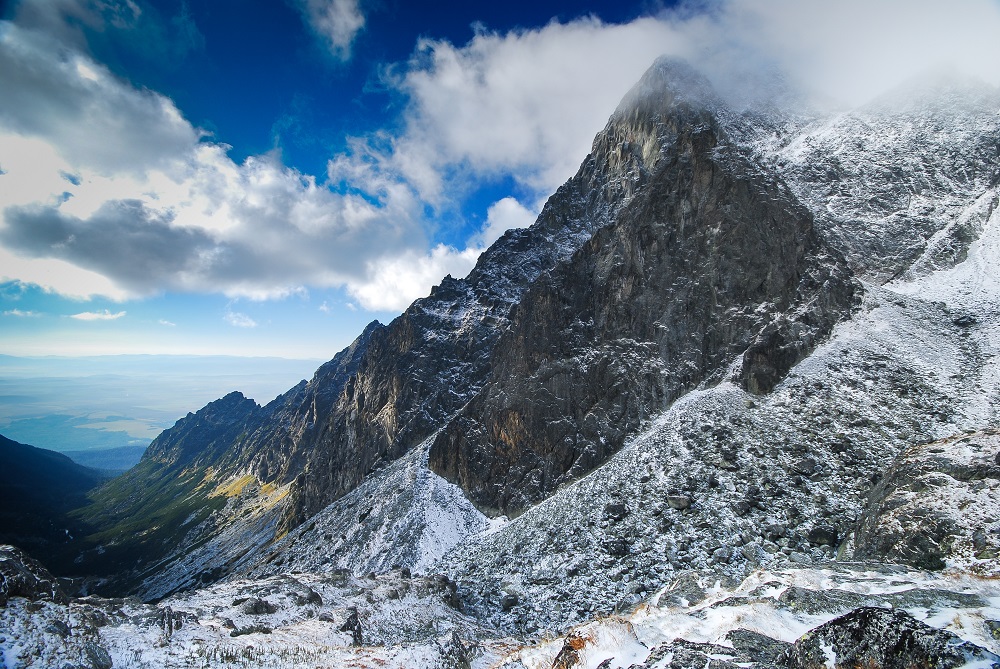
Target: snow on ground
[
  {"x": 971, "y": 290},
  {"x": 337, "y": 620},
  {"x": 780, "y": 604},
  {"x": 732, "y": 482},
  {"x": 285, "y": 622},
  {"x": 401, "y": 516}
]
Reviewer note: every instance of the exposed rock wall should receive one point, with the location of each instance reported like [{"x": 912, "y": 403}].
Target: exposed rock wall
[
  {"x": 936, "y": 506},
  {"x": 714, "y": 257}
]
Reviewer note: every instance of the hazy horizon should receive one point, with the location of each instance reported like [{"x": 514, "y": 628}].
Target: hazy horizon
[{"x": 101, "y": 402}]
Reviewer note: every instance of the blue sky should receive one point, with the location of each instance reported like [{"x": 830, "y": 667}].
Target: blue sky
[{"x": 265, "y": 178}]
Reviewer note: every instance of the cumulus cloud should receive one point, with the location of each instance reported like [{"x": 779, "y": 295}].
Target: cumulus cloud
[
  {"x": 337, "y": 22},
  {"x": 149, "y": 206},
  {"x": 105, "y": 315},
  {"x": 502, "y": 216},
  {"x": 396, "y": 281},
  {"x": 526, "y": 103},
  {"x": 106, "y": 189},
  {"x": 21, "y": 313}
]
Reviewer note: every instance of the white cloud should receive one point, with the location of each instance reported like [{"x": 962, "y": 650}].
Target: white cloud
[
  {"x": 850, "y": 50},
  {"x": 108, "y": 190},
  {"x": 239, "y": 320},
  {"x": 21, "y": 314},
  {"x": 392, "y": 283},
  {"x": 525, "y": 102},
  {"x": 164, "y": 322},
  {"x": 106, "y": 212},
  {"x": 338, "y": 22},
  {"x": 105, "y": 315},
  {"x": 503, "y": 215}
]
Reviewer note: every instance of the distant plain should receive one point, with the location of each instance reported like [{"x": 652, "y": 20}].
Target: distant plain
[{"x": 97, "y": 403}]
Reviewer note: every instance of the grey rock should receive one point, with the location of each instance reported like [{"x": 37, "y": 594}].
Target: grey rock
[
  {"x": 615, "y": 511},
  {"x": 823, "y": 535},
  {"x": 250, "y": 629},
  {"x": 679, "y": 502},
  {"x": 965, "y": 321},
  {"x": 453, "y": 654},
  {"x": 908, "y": 518},
  {"x": 763, "y": 649},
  {"x": 23, "y": 576},
  {"x": 820, "y": 601},
  {"x": 887, "y": 638},
  {"x": 685, "y": 654},
  {"x": 804, "y": 466},
  {"x": 58, "y": 627},
  {"x": 97, "y": 656},
  {"x": 353, "y": 625},
  {"x": 258, "y": 607}
]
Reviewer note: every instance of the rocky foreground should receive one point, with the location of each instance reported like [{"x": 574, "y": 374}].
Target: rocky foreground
[{"x": 843, "y": 616}]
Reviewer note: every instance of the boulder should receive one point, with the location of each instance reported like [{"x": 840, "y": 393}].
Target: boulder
[
  {"x": 884, "y": 638},
  {"x": 23, "y": 576}
]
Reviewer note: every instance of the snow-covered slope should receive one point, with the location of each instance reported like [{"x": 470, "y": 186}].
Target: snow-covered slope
[
  {"x": 892, "y": 183},
  {"x": 403, "y": 516},
  {"x": 753, "y": 622},
  {"x": 731, "y": 482},
  {"x": 300, "y": 621}
]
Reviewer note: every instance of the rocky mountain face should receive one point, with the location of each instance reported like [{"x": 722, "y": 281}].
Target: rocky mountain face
[
  {"x": 399, "y": 384},
  {"x": 731, "y": 401},
  {"x": 696, "y": 245},
  {"x": 713, "y": 259}
]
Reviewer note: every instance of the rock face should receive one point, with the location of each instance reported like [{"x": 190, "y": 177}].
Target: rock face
[
  {"x": 886, "y": 638},
  {"x": 396, "y": 384},
  {"x": 937, "y": 504},
  {"x": 22, "y": 576},
  {"x": 423, "y": 367},
  {"x": 714, "y": 257}
]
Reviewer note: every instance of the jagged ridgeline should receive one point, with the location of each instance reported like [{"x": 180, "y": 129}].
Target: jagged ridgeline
[{"x": 695, "y": 245}]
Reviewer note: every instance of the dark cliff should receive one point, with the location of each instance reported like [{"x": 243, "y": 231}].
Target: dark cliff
[{"x": 712, "y": 258}]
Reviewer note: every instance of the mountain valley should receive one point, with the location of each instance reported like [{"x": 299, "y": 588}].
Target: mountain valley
[{"x": 731, "y": 401}]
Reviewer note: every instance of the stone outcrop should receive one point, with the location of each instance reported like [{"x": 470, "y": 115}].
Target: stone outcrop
[
  {"x": 22, "y": 576},
  {"x": 937, "y": 504},
  {"x": 885, "y": 638},
  {"x": 712, "y": 258}
]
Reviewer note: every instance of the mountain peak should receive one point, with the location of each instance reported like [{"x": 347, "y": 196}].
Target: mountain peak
[{"x": 669, "y": 82}]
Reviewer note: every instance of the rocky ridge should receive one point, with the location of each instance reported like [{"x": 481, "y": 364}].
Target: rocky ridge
[
  {"x": 397, "y": 384},
  {"x": 712, "y": 260}
]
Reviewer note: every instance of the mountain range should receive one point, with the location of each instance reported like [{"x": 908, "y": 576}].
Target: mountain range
[{"x": 739, "y": 381}]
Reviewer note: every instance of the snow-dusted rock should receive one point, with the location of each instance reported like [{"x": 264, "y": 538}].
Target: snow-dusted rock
[{"x": 938, "y": 505}]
